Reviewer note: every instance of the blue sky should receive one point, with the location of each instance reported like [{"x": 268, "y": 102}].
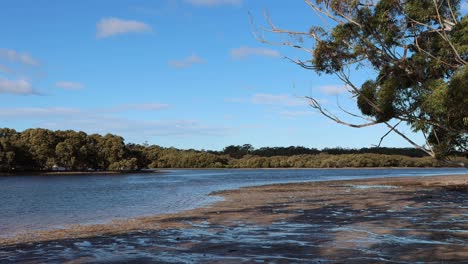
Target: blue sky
[{"x": 182, "y": 73}]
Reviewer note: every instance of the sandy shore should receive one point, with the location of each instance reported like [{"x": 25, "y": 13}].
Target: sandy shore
[{"x": 393, "y": 220}]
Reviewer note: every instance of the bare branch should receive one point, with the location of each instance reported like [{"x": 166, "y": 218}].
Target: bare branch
[
  {"x": 386, "y": 134},
  {"x": 455, "y": 20},
  {"x": 416, "y": 41},
  {"x": 314, "y": 104},
  {"x": 330, "y": 15},
  {"x": 444, "y": 32},
  {"x": 428, "y": 151},
  {"x": 352, "y": 114},
  {"x": 368, "y": 44},
  {"x": 344, "y": 77}
]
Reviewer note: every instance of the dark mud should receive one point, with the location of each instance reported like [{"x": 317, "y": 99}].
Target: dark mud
[{"x": 334, "y": 222}]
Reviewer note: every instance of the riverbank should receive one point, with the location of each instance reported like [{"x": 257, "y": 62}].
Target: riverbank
[
  {"x": 373, "y": 220},
  {"x": 162, "y": 170},
  {"x": 62, "y": 173}
]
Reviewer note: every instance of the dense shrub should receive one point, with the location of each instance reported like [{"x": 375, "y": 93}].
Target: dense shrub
[{"x": 42, "y": 149}]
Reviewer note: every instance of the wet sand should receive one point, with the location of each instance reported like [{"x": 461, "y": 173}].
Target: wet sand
[{"x": 390, "y": 220}]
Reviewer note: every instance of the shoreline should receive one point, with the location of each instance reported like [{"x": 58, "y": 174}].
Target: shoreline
[
  {"x": 75, "y": 173},
  {"x": 162, "y": 170},
  {"x": 342, "y": 168},
  {"x": 181, "y": 219}
]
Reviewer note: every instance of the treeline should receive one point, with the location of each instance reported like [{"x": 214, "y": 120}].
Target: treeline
[
  {"x": 247, "y": 149},
  {"x": 42, "y": 149},
  {"x": 45, "y": 150}
]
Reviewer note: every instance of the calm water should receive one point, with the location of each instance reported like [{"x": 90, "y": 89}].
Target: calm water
[{"x": 44, "y": 202}]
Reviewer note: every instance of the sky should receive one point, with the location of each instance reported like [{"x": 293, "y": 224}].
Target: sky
[{"x": 181, "y": 73}]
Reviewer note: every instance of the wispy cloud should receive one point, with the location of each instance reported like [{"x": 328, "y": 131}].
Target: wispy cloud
[
  {"x": 280, "y": 105},
  {"x": 186, "y": 62},
  {"x": 295, "y": 114},
  {"x": 100, "y": 121},
  {"x": 332, "y": 89},
  {"x": 50, "y": 112},
  {"x": 211, "y": 3},
  {"x": 277, "y": 99},
  {"x": 19, "y": 71},
  {"x": 138, "y": 107},
  {"x": 139, "y": 128},
  {"x": 18, "y": 57},
  {"x": 270, "y": 99},
  {"x": 148, "y": 106},
  {"x": 66, "y": 85},
  {"x": 112, "y": 26},
  {"x": 236, "y": 100},
  {"x": 5, "y": 69},
  {"x": 38, "y": 112},
  {"x": 17, "y": 87},
  {"x": 244, "y": 52}
]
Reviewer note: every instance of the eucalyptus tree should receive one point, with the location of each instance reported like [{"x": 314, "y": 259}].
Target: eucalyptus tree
[
  {"x": 8, "y": 138},
  {"x": 39, "y": 144},
  {"x": 112, "y": 149},
  {"x": 418, "y": 50}
]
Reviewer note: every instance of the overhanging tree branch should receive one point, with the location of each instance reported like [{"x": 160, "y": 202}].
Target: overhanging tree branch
[{"x": 418, "y": 51}]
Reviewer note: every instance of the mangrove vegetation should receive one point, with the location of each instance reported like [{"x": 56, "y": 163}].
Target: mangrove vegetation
[{"x": 47, "y": 150}]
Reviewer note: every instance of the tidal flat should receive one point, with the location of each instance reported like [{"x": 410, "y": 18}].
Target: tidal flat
[{"x": 387, "y": 220}]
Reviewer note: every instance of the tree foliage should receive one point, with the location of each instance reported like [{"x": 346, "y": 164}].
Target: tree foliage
[
  {"x": 45, "y": 150},
  {"x": 418, "y": 50}
]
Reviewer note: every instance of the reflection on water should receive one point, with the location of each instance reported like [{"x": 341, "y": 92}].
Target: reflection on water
[{"x": 44, "y": 202}]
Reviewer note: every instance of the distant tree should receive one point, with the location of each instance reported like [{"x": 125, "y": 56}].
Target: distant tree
[
  {"x": 41, "y": 149},
  {"x": 139, "y": 153},
  {"x": 40, "y": 146},
  {"x": 124, "y": 165},
  {"x": 94, "y": 159},
  {"x": 238, "y": 151},
  {"x": 8, "y": 138},
  {"x": 111, "y": 150},
  {"x": 72, "y": 151},
  {"x": 233, "y": 151},
  {"x": 419, "y": 51},
  {"x": 65, "y": 155}
]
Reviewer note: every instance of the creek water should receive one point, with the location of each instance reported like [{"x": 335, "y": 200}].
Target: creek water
[{"x": 29, "y": 203}]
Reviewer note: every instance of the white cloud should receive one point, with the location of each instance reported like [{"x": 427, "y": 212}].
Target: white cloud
[
  {"x": 69, "y": 85},
  {"x": 244, "y": 52},
  {"x": 18, "y": 87},
  {"x": 333, "y": 89},
  {"x": 186, "y": 62},
  {"x": 211, "y": 3},
  {"x": 114, "y": 26},
  {"x": 277, "y": 99},
  {"x": 19, "y": 70},
  {"x": 14, "y": 56}
]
